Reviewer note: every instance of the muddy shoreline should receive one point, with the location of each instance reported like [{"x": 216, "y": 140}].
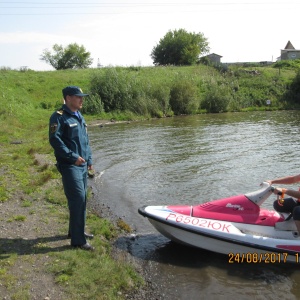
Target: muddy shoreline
[
  {"x": 152, "y": 288},
  {"x": 121, "y": 245}
]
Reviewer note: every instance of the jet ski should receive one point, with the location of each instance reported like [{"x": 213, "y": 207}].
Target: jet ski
[{"x": 236, "y": 226}]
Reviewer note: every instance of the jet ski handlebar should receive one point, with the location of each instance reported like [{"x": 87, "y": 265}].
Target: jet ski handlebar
[{"x": 259, "y": 196}]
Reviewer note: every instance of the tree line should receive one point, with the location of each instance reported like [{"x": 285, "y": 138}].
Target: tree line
[
  {"x": 177, "y": 47},
  {"x": 231, "y": 90}
]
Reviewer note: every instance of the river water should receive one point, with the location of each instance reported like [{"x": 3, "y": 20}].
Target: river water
[{"x": 191, "y": 160}]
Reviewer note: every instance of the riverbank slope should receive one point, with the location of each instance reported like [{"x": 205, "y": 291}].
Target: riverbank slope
[{"x": 36, "y": 260}]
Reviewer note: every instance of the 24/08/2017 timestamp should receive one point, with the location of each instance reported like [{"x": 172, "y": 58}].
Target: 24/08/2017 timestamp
[{"x": 267, "y": 257}]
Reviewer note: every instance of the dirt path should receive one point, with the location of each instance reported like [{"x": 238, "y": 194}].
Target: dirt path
[{"x": 30, "y": 234}]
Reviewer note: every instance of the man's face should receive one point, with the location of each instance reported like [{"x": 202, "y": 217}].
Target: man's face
[{"x": 74, "y": 102}]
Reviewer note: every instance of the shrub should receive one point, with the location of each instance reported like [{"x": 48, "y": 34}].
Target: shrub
[
  {"x": 114, "y": 88},
  {"x": 216, "y": 98},
  {"x": 45, "y": 105},
  {"x": 161, "y": 96},
  {"x": 287, "y": 64},
  {"x": 121, "y": 90},
  {"x": 183, "y": 97},
  {"x": 92, "y": 105},
  {"x": 293, "y": 92}
]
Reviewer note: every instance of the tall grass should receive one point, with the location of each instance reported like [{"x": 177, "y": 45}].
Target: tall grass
[
  {"x": 165, "y": 91},
  {"x": 142, "y": 91},
  {"x": 28, "y": 99}
]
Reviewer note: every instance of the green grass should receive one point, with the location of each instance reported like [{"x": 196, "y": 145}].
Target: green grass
[
  {"x": 27, "y": 102},
  {"x": 95, "y": 275},
  {"x": 30, "y": 97}
]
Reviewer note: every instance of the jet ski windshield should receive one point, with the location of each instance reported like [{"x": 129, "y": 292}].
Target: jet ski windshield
[{"x": 258, "y": 197}]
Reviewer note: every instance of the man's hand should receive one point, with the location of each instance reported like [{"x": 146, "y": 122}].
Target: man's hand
[
  {"x": 79, "y": 161},
  {"x": 279, "y": 191}
]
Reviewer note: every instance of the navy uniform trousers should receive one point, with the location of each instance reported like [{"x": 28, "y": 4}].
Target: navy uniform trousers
[{"x": 74, "y": 180}]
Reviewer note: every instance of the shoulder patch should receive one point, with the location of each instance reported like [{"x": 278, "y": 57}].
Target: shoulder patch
[
  {"x": 60, "y": 112},
  {"x": 53, "y": 127}
]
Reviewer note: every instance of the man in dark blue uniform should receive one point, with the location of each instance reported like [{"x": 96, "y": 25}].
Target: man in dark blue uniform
[{"x": 69, "y": 139}]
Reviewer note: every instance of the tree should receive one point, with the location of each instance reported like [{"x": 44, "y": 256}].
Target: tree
[
  {"x": 179, "y": 47},
  {"x": 71, "y": 57}
]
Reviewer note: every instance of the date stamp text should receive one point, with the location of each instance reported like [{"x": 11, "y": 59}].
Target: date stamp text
[{"x": 267, "y": 258}]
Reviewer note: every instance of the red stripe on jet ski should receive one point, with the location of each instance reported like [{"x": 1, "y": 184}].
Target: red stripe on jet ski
[{"x": 289, "y": 247}]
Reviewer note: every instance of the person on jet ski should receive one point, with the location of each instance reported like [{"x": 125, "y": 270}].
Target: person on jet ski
[{"x": 290, "y": 204}]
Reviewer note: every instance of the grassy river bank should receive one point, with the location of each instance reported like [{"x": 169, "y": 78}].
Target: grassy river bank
[{"x": 36, "y": 261}]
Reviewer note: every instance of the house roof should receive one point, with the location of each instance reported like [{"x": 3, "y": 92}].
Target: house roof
[
  {"x": 214, "y": 54},
  {"x": 289, "y": 46}
]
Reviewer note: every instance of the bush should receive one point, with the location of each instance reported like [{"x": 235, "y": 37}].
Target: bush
[
  {"x": 292, "y": 94},
  {"x": 92, "y": 105},
  {"x": 216, "y": 98},
  {"x": 161, "y": 96},
  {"x": 287, "y": 64},
  {"x": 122, "y": 90},
  {"x": 183, "y": 97},
  {"x": 45, "y": 105},
  {"x": 113, "y": 88}
]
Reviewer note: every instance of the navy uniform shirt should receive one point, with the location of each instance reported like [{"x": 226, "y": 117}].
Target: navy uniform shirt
[{"x": 68, "y": 136}]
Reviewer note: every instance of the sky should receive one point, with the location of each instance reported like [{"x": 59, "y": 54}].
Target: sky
[{"x": 124, "y": 32}]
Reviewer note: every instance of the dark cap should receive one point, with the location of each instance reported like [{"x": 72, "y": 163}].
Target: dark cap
[{"x": 73, "y": 91}]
